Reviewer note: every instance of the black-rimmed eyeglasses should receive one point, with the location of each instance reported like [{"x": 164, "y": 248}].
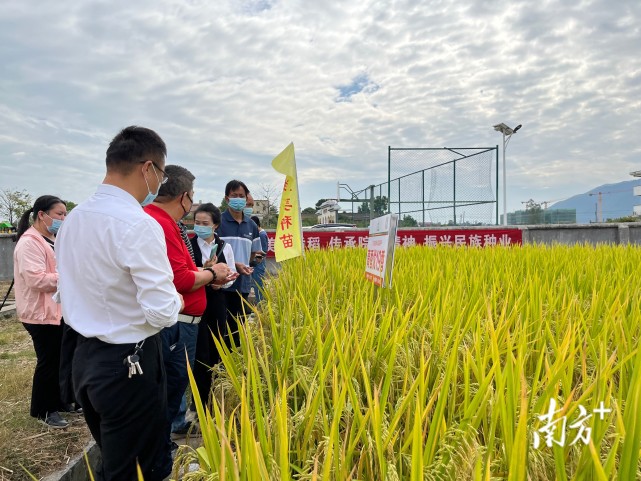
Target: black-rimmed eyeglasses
[{"x": 165, "y": 177}]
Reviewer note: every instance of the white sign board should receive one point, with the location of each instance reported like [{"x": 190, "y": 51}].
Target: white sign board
[{"x": 380, "y": 250}]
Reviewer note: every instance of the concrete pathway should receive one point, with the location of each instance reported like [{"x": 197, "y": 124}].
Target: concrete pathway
[{"x": 8, "y": 310}]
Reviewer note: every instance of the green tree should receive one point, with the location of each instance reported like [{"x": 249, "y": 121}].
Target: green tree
[
  {"x": 70, "y": 205},
  {"x": 627, "y": 218},
  {"x": 308, "y": 216},
  {"x": 14, "y": 203},
  {"x": 223, "y": 205},
  {"x": 408, "y": 221},
  {"x": 534, "y": 212},
  {"x": 320, "y": 201},
  {"x": 380, "y": 205},
  {"x": 272, "y": 217}
]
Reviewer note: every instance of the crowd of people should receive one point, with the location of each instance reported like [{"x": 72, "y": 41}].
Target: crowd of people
[{"x": 118, "y": 298}]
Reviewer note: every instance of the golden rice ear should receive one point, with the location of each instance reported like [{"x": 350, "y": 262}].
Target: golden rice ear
[{"x": 444, "y": 376}]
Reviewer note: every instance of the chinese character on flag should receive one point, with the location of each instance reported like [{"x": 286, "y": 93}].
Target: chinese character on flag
[
  {"x": 287, "y": 241},
  {"x": 289, "y": 234},
  {"x": 286, "y": 223}
]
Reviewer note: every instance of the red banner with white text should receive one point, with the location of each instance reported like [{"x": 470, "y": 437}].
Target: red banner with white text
[{"x": 409, "y": 237}]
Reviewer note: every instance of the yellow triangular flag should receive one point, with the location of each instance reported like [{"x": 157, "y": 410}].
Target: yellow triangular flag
[{"x": 289, "y": 231}]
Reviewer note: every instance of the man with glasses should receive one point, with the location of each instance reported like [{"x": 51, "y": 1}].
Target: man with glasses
[
  {"x": 165, "y": 178},
  {"x": 115, "y": 285},
  {"x": 173, "y": 203}
]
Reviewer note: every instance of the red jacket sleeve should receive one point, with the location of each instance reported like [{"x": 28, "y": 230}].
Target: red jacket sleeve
[
  {"x": 180, "y": 260},
  {"x": 182, "y": 265}
]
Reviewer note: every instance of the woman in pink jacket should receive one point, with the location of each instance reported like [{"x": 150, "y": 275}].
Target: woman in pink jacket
[{"x": 36, "y": 280}]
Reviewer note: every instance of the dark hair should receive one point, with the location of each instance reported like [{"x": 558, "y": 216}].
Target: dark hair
[
  {"x": 180, "y": 181},
  {"x": 43, "y": 203},
  {"x": 134, "y": 145},
  {"x": 235, "y": 185},
  {"x": 256, "y": 220},
  {"x": 210, "y": 209}
]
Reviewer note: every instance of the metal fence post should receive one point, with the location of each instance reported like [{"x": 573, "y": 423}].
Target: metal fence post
[
  {"x": 423, "y": 196},
  {"x": 399, "y": 199},
  {"x": 454, "y": 184},
  {"x": 371, "y": 202},
  {"x": 389, "y": 179},
  {"x": 497, "y": 184}
]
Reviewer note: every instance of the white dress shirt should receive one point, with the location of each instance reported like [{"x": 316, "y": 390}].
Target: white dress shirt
[
  {"x": 115, "y": 281},
  {"x": 205, "y": 250}
]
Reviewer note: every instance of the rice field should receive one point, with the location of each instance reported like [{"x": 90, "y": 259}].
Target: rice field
[{"x": 482, "y": 364}]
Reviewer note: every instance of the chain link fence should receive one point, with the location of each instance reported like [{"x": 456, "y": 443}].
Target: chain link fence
[
  {"x": 446, "y": 186},
  {"x": 442, "y": 186}
]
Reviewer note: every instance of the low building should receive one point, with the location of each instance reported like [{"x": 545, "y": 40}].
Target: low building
[
  {"x": 327, "y": 212},
  {"x": 542, "y": 216},
  {"x": 261, "y": 207}
]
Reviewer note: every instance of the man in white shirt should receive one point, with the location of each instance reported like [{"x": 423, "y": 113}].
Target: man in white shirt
[{"x": 116, "y": 289}]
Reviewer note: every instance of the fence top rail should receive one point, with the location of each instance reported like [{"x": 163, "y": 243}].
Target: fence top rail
[
  {"x": 444, "y": 148},
  {"x": 481, "y": 150},
  {"x": 452, "y": 161}
]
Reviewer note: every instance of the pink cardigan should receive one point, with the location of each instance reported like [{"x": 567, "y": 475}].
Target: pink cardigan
[{"x": 36, "y": 280}]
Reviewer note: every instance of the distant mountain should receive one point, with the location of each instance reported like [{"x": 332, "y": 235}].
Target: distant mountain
[{"x": 618, "y": 200}]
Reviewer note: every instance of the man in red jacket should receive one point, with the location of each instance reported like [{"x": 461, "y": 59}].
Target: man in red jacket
[{"x": 174, "y": 201}]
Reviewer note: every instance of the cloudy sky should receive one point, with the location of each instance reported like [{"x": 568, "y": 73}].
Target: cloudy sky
[{"x": 228, "y": 84}]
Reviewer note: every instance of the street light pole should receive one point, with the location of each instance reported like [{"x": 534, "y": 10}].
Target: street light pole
[
  {"x": 504, "y": 185},
  {"x": 507, "y": 134}
]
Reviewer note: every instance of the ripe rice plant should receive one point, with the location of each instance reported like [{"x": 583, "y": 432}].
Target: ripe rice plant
[{"x": 442, "y": 377}]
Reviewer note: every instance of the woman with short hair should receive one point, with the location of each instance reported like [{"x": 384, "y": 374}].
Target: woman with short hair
[
  {"x": 209, "y": 247},
  {"x": 36, "y": 280}
]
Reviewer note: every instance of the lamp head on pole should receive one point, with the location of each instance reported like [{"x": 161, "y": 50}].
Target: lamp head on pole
[
  {"x": 507, "y": 134},
  {"x": 505, "y": 130}
]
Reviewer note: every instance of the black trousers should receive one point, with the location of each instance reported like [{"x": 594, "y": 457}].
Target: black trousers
[
  {"x": 127, "y": 416},
  {"x": 236, "y": 310},
  {"x": 45, "y": 392},
  {"x": 68, "y": 347},
  {"x": 213, "y": 324}
]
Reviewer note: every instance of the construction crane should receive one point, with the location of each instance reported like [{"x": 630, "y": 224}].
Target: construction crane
[
  {"x": 599, "y": 205},
  {"x": 544, "y": 203},
  {"x": 552, "y": 201}
]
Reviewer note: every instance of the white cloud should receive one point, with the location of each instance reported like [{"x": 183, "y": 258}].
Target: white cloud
[{"x": 229, "y": 84}]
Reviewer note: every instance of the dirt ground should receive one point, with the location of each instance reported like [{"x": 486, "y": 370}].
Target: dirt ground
[
  {"x": 4, "y": 286},
  {"x": 25, "y": 443}
]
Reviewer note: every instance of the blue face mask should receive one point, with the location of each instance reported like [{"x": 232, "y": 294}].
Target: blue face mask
[
  {"x": 203, "y": 231},
  {"x": 248, "y": 211},
  {"x": 237, "y": 203},
  {"x": 149, "y": 199},
  {"x": 55, "y": 225},
  {"x": 150, "y": 195}
]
